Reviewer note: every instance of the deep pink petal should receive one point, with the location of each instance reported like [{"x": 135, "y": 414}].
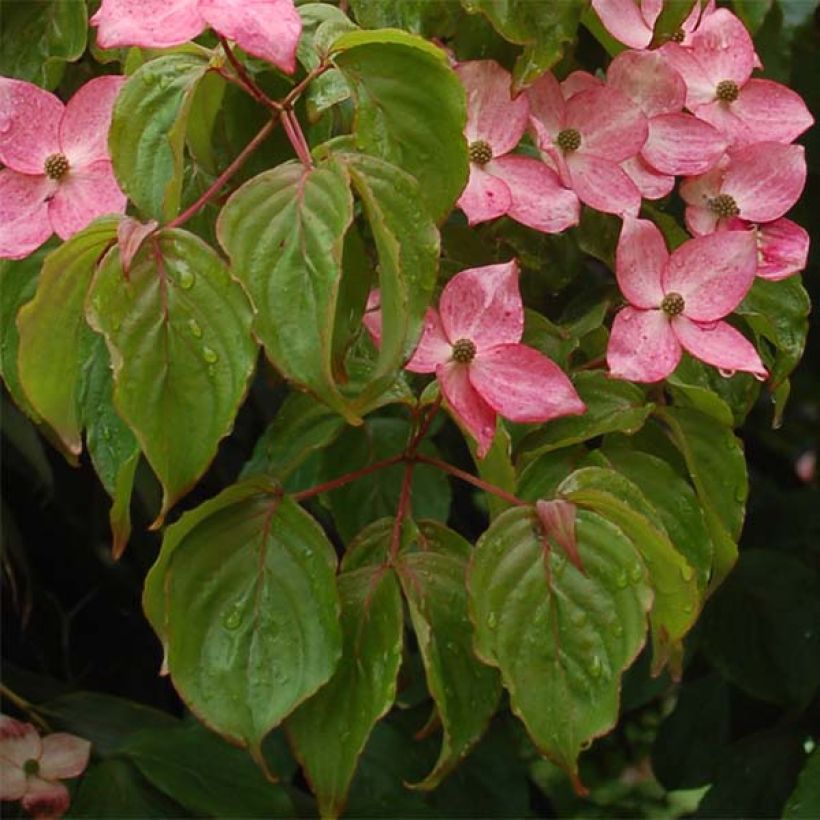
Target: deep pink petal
[
  {"x": 713, "y": 273},
  {"x": 603, "y": 184},
  {"x": 680, "y": 144},
  {"x": 642, "y": 346},
  {"x": 147, "y": 23},
  {"x": 268, "y": 29},
  {"x": 64, "y": 755},
  {"x": 579, "y": 81},
  {"x": 87, "y": 118},
  {"x": 82, "y": 196},
  {"x": 765, "y": 179},
  {"x": 724, "y": 48},
  {"x": 624, "y": 21},
  {"x": 485, "y": 197},
  {"x": 538, "y": 199},
  {"x": 700, "y": 88},
  {"x": 640, "y": 259},
  {"x": 45, "y": 799},
  {"x": 611, "y": 125},
  {"x": 29, "y": 126},
  {"x": 649, "y": 182},
  {"x": 492, "y": 116},
  {"x": 648, "y": 80},
  {"x": 469, "y": 409},
  {"x": 719, "y": 344},
  {"x": 24, "y": 222},
  {"x": 19, "y": 741},
  {"x": 783, "y": 249},
  {"x": 483, "y": 305},
  {"x": 547, "y": 105},
  {"x": 721, "y": 115},
  {"x": 433, "y": 348},
  {"x": 372, "y": 319},
  {"x": 523, "y": 385}
]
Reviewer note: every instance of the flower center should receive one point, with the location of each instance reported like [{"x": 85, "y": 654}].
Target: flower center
[
  {"x": 31, "y": 767},
  {"x": 480, "y": 152},
  {"x": 724, "y": 206},
  {"x": 56, "y": 166},
  {"x": 678, "y": 36},
  {"x": 673, "y": 304},
  {"x": 727, "y": 91},
  {"x": 569, "y": 139},
  {"x": 464, "y": 351}
]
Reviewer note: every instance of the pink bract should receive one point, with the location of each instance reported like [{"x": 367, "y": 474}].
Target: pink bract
[
  {"x": 782, "y": 247},
  {"x": 502, "y": 183},
  {"x": 268, "y": 29},
  {"x": 58, "y": 174},
  {"x": 472, "y": 344},
  {"x": 677, "y": 302},
  {"x": 586, "y": 137},
  {"x": 630, "y": 21}
]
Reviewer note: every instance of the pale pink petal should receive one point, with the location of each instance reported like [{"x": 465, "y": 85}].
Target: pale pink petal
[
  {"x": 433, "y": 348},
  {"x": 642, "y": 346},
  {"x": 485, "y": 197},
  {"x": 12, "y": 780},
  {"x": 483, "y": 305},
  {"x": 719, "y": 344},
  {"x": 538, "y": 199},
  {"x": 602, "y": 184},
  {"x": 147, "y": 23},
  {"x": 44, "y": 799},
  {"x": 29, "y": 126},
  {"x": 579, "y": 81},
  {"x": 372, "y": 319},
  {"x": 131, "y": 233},
  {"x": 624, "y": 21},
  {"x": 24, "y": 222},
  {"x": 648, "y": 80},
  {"x": 783, "y": 249},
  {"x": 649, "y": 182},
  {"x": 765, "y": 179},
  {"x": 700, "y": 221},
  {"x": 82, "y": 196},
  {"x": 700, "y": 88},
  {"x": 611, "y": 125},
  {"x": 640, "y": 259},
  {"x": 712, "y": 273},
  {"x": 63, "y": 756},
  {"x": 696, "y": 192},
  {"x": 492, "y": 116},
  {"x": 467, "y": 405},
  {"x": 651, "y": 10},
  {"x": 523, "y": 385},
  {"x": 268, "y": 29},
  {"x": 724, "y": 48},
  {"x": 87, "y": 118},
  {"x": 19, "y": 741},
  {"x": 696, "y": 16},
  {"x": 721, "y": 115},
  {"x": 547, "y": 105},
  {"x": 680, "y": 144}
]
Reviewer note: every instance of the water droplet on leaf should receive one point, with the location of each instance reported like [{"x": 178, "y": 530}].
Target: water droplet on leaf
[
  {"x": 194, "y": 327},
  {"x": 595, "y": 667},
  {"x": 233, "y": 618},
  {"x": 210, "y": 355},
  {"x": 186, "y": 278},
  {"x": 492, "y": 620}
]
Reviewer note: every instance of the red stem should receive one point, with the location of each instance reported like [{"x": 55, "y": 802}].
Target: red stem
[
  {"x": 347, "y": 478},
  {"x": 402, "y": 511},
  {"x": 246, "y": 81}
]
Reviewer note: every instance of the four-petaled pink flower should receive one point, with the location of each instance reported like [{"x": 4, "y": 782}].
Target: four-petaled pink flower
[
  {"x": 782, "y": 247},
  {"x": 633, "y": 21},
  {"x": 58, "y": 174},
  {"x": 585, "y": 138},
  {"x": 32, "y": 767},
  {"x": 502, "y": 183},
  {"x": 677, "y": 302},
  {"x": 268, "y": 29},
  {"x": 472, "y": 344}
]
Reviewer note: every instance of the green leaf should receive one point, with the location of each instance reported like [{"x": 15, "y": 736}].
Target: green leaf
[
  {"x": 205, "y": 774},
  {"x": 178, "y": 331},
  {"x": 677, "y": 599},
  {"x": 560, "y": 638},
  {"x": 497, "y": 468},
  {"x": 37, "y": 38},
  {"x": 544, "y": 29},
  {"x": 410, "y": 110},
  {"x": 284, "y": 232},
  {"x": 205, "y": 107},
  {"x": 430, "y": 18},
  {"x": 612, "y": 406},
  {"x": 672, "y": 15},
  {"x": 147, "y": 136},
  {"x": 598, "y": 235},
  {"x": 432, "y": 568},
  {"x": 804, "y": 803},
  {"x": 330, "y": 730},
  {"x": 55, "y": 340},
  {"x": 252, "y": 612}
]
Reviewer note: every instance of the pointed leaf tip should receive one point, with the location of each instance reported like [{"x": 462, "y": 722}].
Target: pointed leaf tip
[{"x": 557, "y": 520}]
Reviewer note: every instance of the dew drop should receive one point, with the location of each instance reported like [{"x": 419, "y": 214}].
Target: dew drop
[
  {"x": 616, "y": 629},
  {"x": 106, "y": 433},
  {"x": 195, "y": 329},
  {"x": 759, "y": 377},
  {"x": 210, "y": 355},
  {"x": 621, "y": 579},
  {"x": 688, "y": 609},
  {"x": 707, "y": 325},
  {"x": 233, "y": 618},
  {"x": 635, "y": 573},
  {"x": 727, "y": 374},
  {"x": 595, "y": 667},
  {"x": 686, "y": 572},
  {"x": 492, "y": 620},
  {"x": 186, "y": 278}
]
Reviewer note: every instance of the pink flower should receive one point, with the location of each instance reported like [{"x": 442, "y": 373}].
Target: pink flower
[
  {"x": 633, "y": 21},
  {"x": 58, "y": 176},
  {"x": 677, "y": 302},
  {"x": 472, "y": 345},
  {"x": 676, "y": 143},
  {"x": 782, "y": 248},
  {"x": 268, "y": 29},
  {"x": 758, "y": 183},
  {"x": 501, "y": 183},
  {"x": 31, "y": 767},
  {"x": 717, "y": 66},
  {"x": 585, "y": 137}
]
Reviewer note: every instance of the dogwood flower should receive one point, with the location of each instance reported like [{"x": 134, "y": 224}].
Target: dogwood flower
[
  {"x": 58, "y": 174},
  {"x": 500, "y": 182},
  {"x": 633, "y": 21},
  {"x": 472, "y": 344},
  {"x": 782, "y": 247},
  {"x": 32, "y": 767},
  {"x": 585, "y": 135},
  {"x": 758, "y": 183},
  {"x": 268, "y": 29},
  {"x": 677, "y": 302}
]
